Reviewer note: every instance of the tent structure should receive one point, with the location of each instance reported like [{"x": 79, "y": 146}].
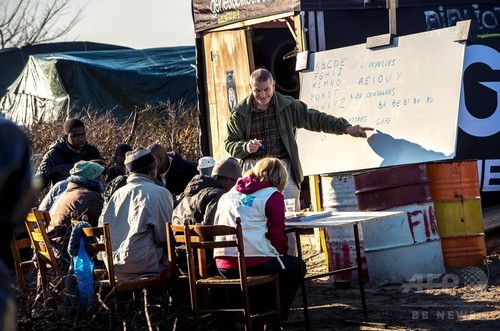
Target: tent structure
[
  {"x": 117, "y": 80},
  {"x": 14, "y": 59}
]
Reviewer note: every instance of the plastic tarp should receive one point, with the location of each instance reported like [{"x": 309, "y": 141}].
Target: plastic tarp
[
  {"x": 14, "y": 59},
  {"x": 117, "y": 80}
]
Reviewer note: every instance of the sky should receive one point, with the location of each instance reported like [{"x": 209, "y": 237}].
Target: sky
[{"x": 137, "y": 24}]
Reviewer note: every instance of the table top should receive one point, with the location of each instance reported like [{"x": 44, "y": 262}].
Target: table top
[{"x": 327, "y": 219}]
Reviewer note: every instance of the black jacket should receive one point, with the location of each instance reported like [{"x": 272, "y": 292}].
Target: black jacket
[
  {"x": 60, "y": 158},
  {"x": 199, "y": 201},
  {"x": 179, "y": 174}
]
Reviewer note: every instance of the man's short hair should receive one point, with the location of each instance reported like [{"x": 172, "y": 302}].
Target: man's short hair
[
  {"x": 261, "y": 75},
  {"x": 71, "y": 124},
  {"x": 120, "y": 151}
]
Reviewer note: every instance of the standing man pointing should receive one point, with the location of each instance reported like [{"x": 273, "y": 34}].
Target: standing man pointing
[{"x": 265, "y": 122}]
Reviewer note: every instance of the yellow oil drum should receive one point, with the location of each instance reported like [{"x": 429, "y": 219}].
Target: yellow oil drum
[
  {"x": 462, "y": 217},
  {"x": 457, "y": 202}
]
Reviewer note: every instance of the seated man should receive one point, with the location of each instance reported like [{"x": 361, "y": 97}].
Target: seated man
[
  {"x": 199, "y": 201},
  {"x": 118, "y": 168},
  {"x": 174, "y": 172},
  {"x": 137, "y": 213},
  {"x": 59, "y": 188},
  {"x": 65, "y": 152},
  {"x": 206, "y": 165},
  {"x": 83, "y": 196},
  {"x": 200, "y": 198}
]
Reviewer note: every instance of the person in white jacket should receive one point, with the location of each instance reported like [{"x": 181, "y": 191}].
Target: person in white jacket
[
  {"x": 258, "y": 200},
  {"x": 137, "y": 213}
]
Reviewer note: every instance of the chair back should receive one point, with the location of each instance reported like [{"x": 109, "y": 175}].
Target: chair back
[
  {"x": 107, "y": 278},
  {"x": 200, "y": 238},
  {"x": 43, "y": 216},
  {"x": 35, "y": 224},
  {"x": 204, "y": 237},
  {"x": 175, "y": 238},
  {"x": 22, "y": 255},
  {"x": 103, "y": 246}
]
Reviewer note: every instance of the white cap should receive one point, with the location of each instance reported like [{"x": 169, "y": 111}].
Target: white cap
[{"x": 206, "y": 162}]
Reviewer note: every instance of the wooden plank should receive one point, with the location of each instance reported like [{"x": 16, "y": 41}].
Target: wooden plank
[
  {"x": 251, "y": 22},
  {"x": 491, "y": 218},
  {"x": 226, "y": 54}
]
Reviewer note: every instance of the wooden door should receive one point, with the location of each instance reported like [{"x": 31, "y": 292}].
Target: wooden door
[{"x": 229, "y": 62}]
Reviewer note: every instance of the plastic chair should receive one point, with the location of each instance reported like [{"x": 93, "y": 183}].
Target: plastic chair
[{"x": 200, "y": 238}]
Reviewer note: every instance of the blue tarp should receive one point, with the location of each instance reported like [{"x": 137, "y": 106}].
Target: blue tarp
[
  {"x": 14, "y": 59},
  {"x": 121, "y": 80}
]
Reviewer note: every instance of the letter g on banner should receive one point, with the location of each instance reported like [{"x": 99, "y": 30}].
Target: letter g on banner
[{"x": 480, "y": 127}]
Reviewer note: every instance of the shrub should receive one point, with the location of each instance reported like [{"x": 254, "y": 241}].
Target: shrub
[{"x": 172, "y": 125}]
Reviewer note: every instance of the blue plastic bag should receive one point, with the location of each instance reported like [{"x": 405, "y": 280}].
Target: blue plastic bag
[{"x": 83, "y": 268}]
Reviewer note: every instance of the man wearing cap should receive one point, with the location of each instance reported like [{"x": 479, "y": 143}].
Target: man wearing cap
[
  {"x": 206, "y": 165},
  {"x": 137, "y": 213},
  {"x": 59, "y": 188},
  {"x": 83, "y": 196},
  {"x": 199, "y": 200},
  {"x": 174, "y": 172},
  {"x": 65, "y": 152},
  {"x": 202, "y": 193}
]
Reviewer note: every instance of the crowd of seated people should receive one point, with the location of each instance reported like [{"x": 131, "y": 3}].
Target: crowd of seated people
[{"x": 146, "y": 187}]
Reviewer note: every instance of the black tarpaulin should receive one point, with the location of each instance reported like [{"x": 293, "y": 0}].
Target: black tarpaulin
[{"x": 120, "y": 80}]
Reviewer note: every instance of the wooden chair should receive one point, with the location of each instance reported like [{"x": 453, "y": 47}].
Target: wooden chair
[
  {"x": 22, "y": 255},
  {"x": 200, "y": 238},
  {"x": 45, "y": 258},
  {"x": 179, "y": 279},
  {"x": 106, "y": 281}
]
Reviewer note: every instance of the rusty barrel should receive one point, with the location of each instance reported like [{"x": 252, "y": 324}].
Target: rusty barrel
[
  {"x": 338, "y": 194},
  {"x": 455, "y": 190},
  {"x": 454, "y": 180},
  {"x": 399, "y": 248},
  {"x": 341, "y": 253},
  {"x": 386, "y": 188}
]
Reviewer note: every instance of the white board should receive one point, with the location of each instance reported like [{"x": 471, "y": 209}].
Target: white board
[{"x": 408, "y": 91}]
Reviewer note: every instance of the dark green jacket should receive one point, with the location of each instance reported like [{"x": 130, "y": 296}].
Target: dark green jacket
[{"x": 291, "y": 114}]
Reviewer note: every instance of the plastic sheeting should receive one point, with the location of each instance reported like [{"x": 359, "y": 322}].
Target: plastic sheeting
[
  {"x": 120, "y": 80},
  {"x": 14, "y": 59}
]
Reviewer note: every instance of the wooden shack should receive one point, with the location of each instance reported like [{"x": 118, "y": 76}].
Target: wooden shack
[{"x": 233, "y": 37}]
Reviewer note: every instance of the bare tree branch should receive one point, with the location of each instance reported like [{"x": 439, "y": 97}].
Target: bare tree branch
[{"x": 28, "y": 22}]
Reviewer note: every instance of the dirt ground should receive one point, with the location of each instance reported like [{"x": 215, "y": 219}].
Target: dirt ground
[{"x": 472, "y": 305}]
